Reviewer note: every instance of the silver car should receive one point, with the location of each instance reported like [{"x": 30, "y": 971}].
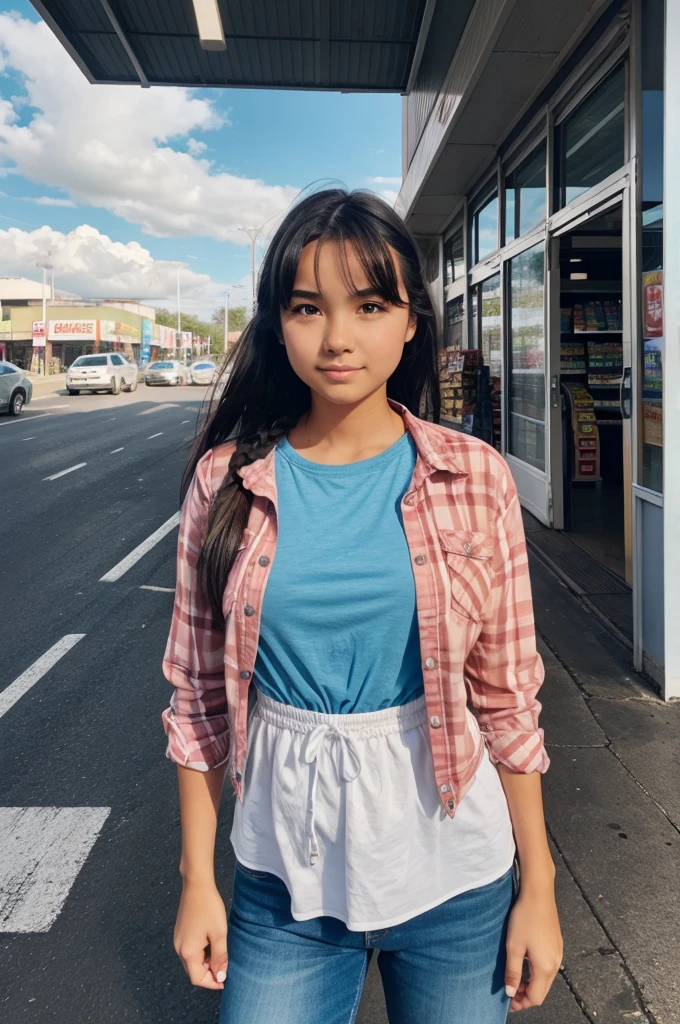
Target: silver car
[
  {"x": 203, "y": 371},
  {"x": 166, "y": 371},
  {"x": 103, "y": 371},
  {"x": 16, "y": 389}
]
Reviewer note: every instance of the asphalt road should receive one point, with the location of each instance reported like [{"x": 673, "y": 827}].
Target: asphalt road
[{"x": 89, "y": 824}]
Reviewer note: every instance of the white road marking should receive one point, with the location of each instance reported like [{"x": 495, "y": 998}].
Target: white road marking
[
  {"x": 184, "y": 421},
  {"x": 159, "y": 408},
  {"x": 42, "y": 849},
  {"x": 160, "y": 590},
  {"x": 71, "y": 469},
  {"x": 9, "y": 423},
  {"x": 154, "y": 435},
  {"x": 119, "y": 570},
  {"x": 117, "y": 450},
  {"x": 44, "y": 408},
  {"x": 28, "y": 438},
  {"x": 23, "y": 683}
]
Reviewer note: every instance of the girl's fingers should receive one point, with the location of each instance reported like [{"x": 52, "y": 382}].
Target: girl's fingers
[
  {"x": 199, "y": 972},
  {"x": 218, "y": 958}
]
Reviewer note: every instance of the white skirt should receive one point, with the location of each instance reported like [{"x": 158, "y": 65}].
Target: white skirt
[{"x": 345, "y": 811}]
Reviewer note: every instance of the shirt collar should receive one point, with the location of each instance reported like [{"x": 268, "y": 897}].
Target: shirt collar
[{"x": 435, "y": 452}]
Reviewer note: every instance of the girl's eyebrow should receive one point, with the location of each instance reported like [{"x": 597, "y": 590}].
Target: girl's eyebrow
[{"x": 299, "y": 293}]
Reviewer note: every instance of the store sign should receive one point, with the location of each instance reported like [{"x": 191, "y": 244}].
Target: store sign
[
  {"x": 147, "y": 333},
  {"x": 166, "y": 337},
  {"x": 73, "y": 330},
  {"x": 38, "y": 332}
]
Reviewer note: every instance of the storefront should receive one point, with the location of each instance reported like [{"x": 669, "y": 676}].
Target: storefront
[{"x": 551, "y": 280}]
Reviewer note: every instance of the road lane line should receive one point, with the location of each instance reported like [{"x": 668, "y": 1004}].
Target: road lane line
[
  {"x": 28, "y": 438},
  {"x": 184, "y": 421},
  {"x": 42, "y": 850},
  {"x": 26, "y": 416},
  {"x": 23, "y": 683},
  {"x": 119, "y": 570},
  {"x": 154, "y": 435},
  {"x": 159, "y": 408},
  {"x": 159, "y": 590},
  {"x": 117, "y": 450},
  {"x": 71, "y": 469}
]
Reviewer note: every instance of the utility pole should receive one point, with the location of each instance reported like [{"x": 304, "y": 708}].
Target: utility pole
[
  {"x": 179, "y": 323},
  {"x": 226, "y": 321},
  {"x": 253, "y": 234},
  {"x": 45, "y": 266}
]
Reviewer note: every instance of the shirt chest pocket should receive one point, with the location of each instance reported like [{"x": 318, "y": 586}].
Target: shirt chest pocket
[{"x": 468, "y": 558}]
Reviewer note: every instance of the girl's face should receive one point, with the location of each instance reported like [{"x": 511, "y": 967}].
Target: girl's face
[{"x": 343, "y": 343}]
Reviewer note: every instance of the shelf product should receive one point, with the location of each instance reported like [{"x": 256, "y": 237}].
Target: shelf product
[{"x": 585, "y": 433}]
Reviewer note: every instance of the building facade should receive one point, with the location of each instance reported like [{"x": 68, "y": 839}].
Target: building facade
[{"x": 533, "y": 150}]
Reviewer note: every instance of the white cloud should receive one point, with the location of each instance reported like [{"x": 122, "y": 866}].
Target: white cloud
[
  {"x": 90, "y": 264},
  {"x": 109, "y": 146},
  {"x": 379, "y": 180},
  {"x": 47, "y": 201}
]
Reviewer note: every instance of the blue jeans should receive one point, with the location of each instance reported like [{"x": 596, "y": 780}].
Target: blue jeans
[{"x": 446, "y": 966}]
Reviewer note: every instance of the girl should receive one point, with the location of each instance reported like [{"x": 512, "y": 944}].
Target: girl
[{"x": 353, "y": 639}]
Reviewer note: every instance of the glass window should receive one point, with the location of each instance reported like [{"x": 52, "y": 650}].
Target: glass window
[
  {"x": 116, "y": 360},
  {"x": 7, "y": 368},
  {"x": 525, "y": 195},
  {"x": 90, "y": 361},
  {"x": 454, "y": 262},
  {"x": 651, "y": 285},
  {"x": 484, "y": 230},
  {"x": 161, "y": 366},
  {"x": 592, "y": 139},
  {"x": 526, "y": 342}
]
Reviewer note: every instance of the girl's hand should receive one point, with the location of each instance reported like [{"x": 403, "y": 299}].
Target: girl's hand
[
  {"x": 201, "y": 934},
  {"x": 533, "y": 933}
]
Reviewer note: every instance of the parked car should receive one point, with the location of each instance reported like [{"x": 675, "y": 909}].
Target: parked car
[
  {"x": 166, "y": 371},
  {"x": 104, "y": 371},
  {"x": 203, "y": 371},
  {"x": 16, "y": 389}
]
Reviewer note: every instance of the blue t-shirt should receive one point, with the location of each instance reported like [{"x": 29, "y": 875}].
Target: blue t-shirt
[{"x": 339, "y": 631}]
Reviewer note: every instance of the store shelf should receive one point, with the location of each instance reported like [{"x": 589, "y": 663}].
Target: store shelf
[
  {"x": 598, "y": 331},
  {"x": 609, "y": 423}
]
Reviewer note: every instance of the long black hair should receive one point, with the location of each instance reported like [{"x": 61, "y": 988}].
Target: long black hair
[{"x": 263, "y": 397}]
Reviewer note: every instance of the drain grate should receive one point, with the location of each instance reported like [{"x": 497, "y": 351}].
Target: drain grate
[{"x": 583, "y": 570}]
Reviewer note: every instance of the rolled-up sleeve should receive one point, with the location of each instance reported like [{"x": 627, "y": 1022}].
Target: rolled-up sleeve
[
  {"x": 504, "y": 671},
  {"x": 196, "y": 722}
]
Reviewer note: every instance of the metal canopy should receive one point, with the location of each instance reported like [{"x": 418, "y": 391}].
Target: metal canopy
[{"x": 345, "y": 45}]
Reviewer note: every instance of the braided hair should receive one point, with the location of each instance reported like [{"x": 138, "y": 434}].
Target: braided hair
[{"x": 262, "y": 398}]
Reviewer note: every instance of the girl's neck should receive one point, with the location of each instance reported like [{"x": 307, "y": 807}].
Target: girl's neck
[{"x": 338, "y": 434}]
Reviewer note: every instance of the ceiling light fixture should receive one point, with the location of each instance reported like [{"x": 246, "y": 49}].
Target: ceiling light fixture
[
  {"x": 575, "y": 260},
  {"x": 209, "y": 24}
]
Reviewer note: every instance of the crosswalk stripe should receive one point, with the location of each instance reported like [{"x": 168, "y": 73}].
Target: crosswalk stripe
[
  {"x": 23, "y": 683},
  {"x": 42, "y": 849}
]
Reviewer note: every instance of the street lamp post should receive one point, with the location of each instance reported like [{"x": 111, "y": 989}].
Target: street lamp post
[
  {"x": 226, "y": 321},
  {"x": 45, "y": 266},
  {"x": 253, "y": 234}
]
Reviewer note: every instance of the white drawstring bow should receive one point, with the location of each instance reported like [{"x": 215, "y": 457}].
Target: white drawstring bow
[{"x": 347, "y": 766}]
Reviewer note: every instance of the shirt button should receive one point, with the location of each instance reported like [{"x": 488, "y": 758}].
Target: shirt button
[
  {"x": 245, "y": 674},
  {"x": 263, "y": 560},
  {"x": 467, "y": 548},
  {"x": 435, "y": 721},
  {"x": 430, "y": 663},
  {"x": 449, "y": 804},
  {"x": 420, "y": 559},
  {"x": 249, "y": 610},
  {"x": 445, "y": 788}
]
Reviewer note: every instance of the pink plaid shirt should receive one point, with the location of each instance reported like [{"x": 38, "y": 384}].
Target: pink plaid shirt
[{"x": 463, "y": 526}]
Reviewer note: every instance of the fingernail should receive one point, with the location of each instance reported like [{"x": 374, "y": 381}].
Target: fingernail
[
  {"x": 509, "y": 990},
  {"x": 221, "y": 975}
]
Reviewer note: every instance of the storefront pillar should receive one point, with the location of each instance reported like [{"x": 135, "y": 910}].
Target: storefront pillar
[{"x": 671, "y": 383}]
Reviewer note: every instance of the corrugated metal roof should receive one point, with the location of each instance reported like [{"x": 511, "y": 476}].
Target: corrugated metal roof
[{"x": 351, "y": 45}]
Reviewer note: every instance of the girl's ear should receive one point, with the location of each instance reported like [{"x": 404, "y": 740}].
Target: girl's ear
[{"x": 411, "y": 329}]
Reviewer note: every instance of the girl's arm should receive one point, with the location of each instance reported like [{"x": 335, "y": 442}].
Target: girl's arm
[
  {"x": 201, "y": 927},
  {"x": 503, "y": 674},
  {"x": 533, "y": 928}
]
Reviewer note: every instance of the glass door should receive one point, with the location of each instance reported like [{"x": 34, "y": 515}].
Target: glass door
[{"x": 527, "y": 429}]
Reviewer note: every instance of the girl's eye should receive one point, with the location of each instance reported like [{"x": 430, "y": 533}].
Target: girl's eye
[
  {"x": 371, "y": 308},
  {"x": 306, "y": 309}
]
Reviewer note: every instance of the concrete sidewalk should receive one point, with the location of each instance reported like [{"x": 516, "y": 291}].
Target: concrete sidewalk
[
  {"x": 612, "y": 798},
  {"x": 45, "y": 386}
]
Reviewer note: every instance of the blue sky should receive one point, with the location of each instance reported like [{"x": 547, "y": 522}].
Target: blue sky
[{"x": 119, "y": 184}]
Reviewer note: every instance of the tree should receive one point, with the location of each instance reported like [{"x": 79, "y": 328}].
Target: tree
[{"x": 237, "y": 318}]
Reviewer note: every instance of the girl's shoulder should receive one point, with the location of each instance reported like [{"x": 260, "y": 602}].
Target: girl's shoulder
[{"x": 212, "y": 467}]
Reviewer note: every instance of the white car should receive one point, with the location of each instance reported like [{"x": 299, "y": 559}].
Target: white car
[
  {"x": 105, "y": 371},
  {"x": 166, "y": 371},
  {"x": 203, "y": 371}
]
